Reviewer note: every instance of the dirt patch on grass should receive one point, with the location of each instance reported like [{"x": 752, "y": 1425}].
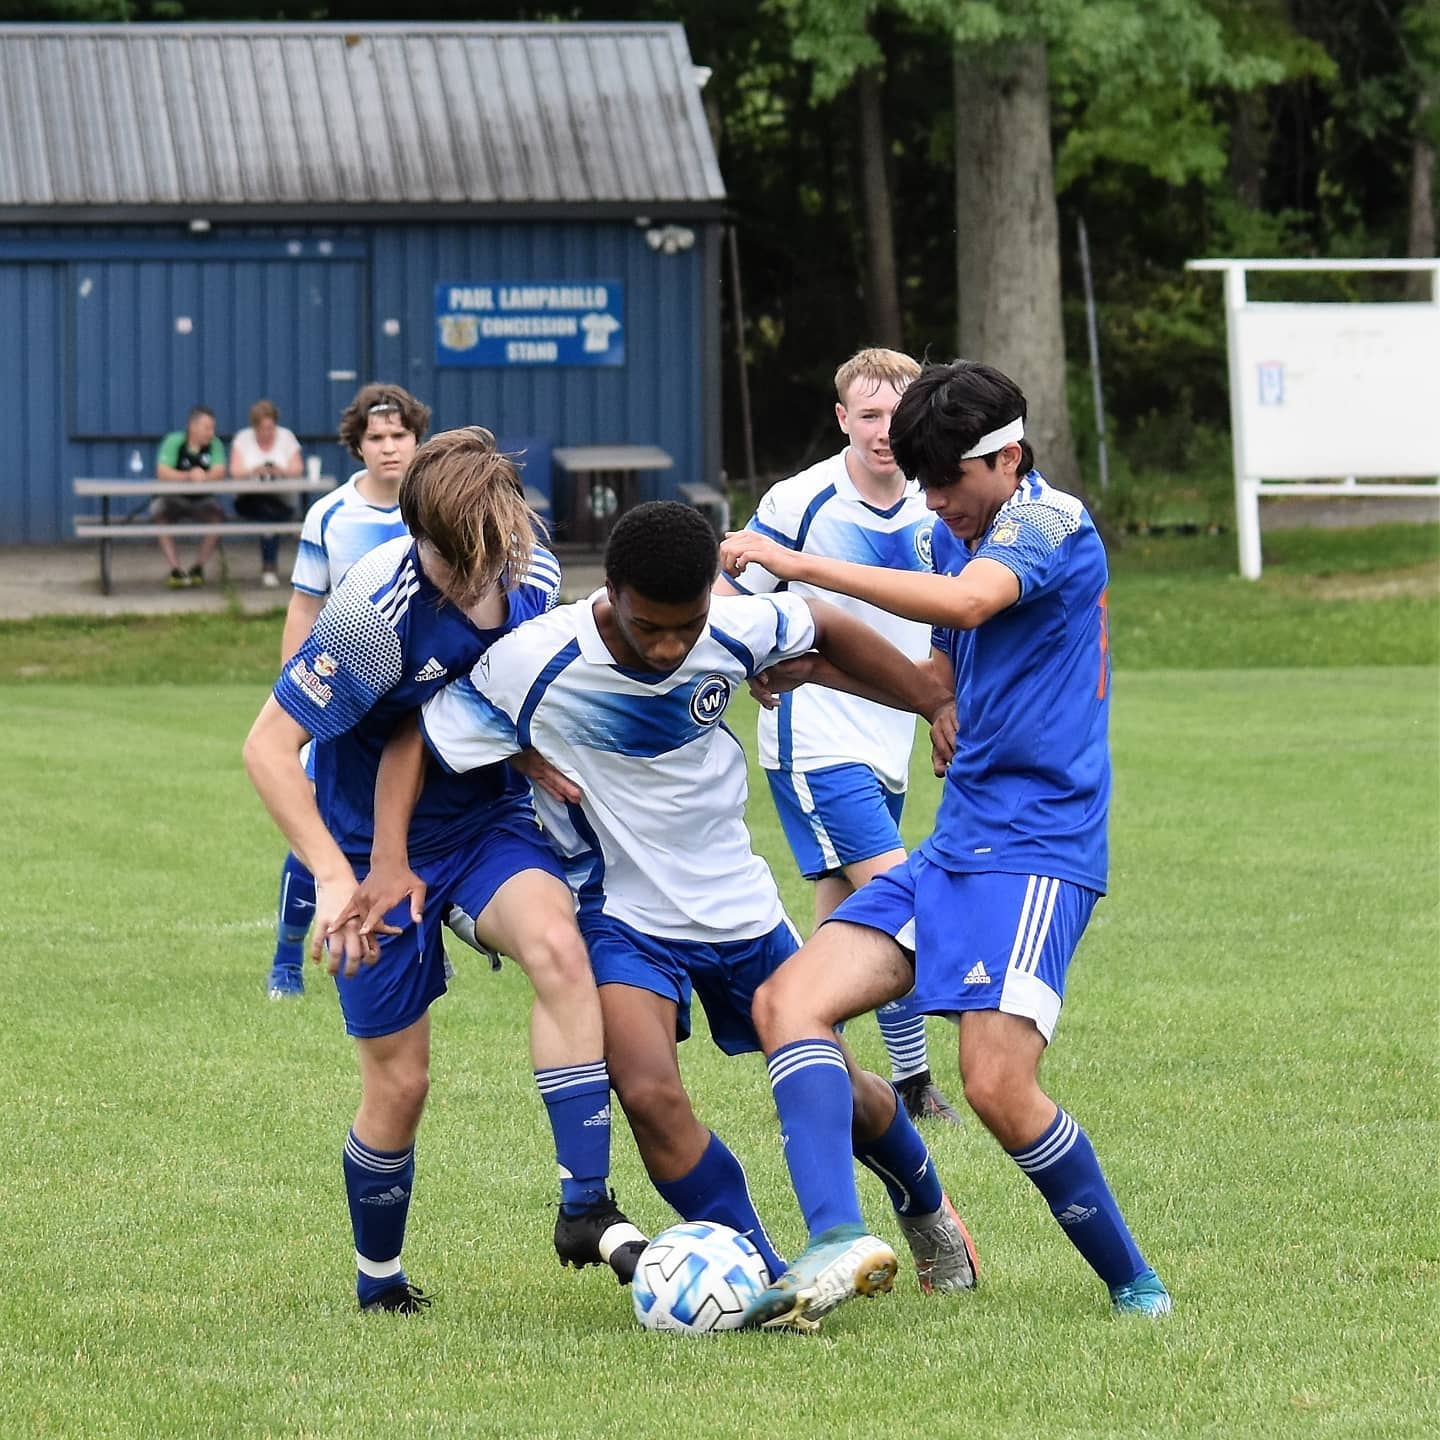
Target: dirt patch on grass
[{"x": 1420, "y": 582}]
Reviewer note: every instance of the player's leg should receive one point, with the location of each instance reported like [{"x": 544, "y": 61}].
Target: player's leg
[
  {"x": 1008, "y": 941},
  {"x": 843, "y": 827},
  {"x": 841, "y": 971},
  {"x": 386, "y": 1009},
  {"x": 296, "y": 909},
  {"x": 691, "y": 1168},
  {"x": 523, "y": 907},
  {"x": 887, "y": 1143},
  {"x": 901, "y": 1022}
]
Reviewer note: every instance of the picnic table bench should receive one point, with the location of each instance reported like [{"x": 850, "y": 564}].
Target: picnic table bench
[{"x": 135, "y": 524}]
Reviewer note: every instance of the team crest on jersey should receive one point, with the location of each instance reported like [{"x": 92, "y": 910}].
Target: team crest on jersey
[
  {"x": 326, "y": 665},
  {"x": 709, "y": 699},
  {"x": 923, "y": 551},
  {"x": 1007, "y": 532}
]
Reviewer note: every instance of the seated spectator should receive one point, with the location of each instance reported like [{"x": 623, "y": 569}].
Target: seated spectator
[
  {"x": 194, "y": 454},
  {"x": 265, "y": 448}
]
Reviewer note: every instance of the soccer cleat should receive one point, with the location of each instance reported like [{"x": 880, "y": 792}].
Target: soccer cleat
[
  {"x": 600, "y": 1235},
  {"x": 286, "y": 982},
  {"x": 177, "y": 580},
  {"x": 1145, "y": 1295},
  {"x": 923, "y": 1099},
  {"x": 944, "y": 1252},
  {"x": 195, "y": 577},
  {"x": 837, "y": 1265},
  {"x": 402, "y": 1299}
]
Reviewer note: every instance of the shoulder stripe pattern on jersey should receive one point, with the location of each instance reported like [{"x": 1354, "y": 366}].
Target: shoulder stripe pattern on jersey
[
  {"x": 769, "y": 531},
  {"x": 737, "y": 649},
  {"x": 811, "y": 511},
  {"x": 536, "y": 693},
  {"x": 393, "y": 599}
]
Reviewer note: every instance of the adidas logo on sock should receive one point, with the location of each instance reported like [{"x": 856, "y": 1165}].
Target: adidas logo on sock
[
  {"x": 978, "y": 974},
  {"x": 1074, "y": 1214},
  {"x": 600, "y": 1117},
  {"x": 432, "y": 669},
  {"x": 393, "y": 1196}
]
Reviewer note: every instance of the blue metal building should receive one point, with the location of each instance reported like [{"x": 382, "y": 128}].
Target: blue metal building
[{"x": 519, "y": 223}]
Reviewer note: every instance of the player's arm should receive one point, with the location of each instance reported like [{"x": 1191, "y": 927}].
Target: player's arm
[
  {"x": 960, "y": 602},
  {"x": 725, "y": 586},
  {"x": 872, "y": 667},
  {"x": 300, "y": 617},
  {"x": 945, "y": 726},
  {"x": 398, "y": 783},
  {"x": 272, "y": 760}
]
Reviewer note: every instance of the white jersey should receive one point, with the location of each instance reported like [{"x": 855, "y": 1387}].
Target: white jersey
[
  {"x": 339, "y": 528},
  {"x": 820, "y": 512},
  {"x": 658, "y": 839}
]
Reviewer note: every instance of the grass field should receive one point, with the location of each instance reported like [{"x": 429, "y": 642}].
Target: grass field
[{"x": 1250, "y": 1038}]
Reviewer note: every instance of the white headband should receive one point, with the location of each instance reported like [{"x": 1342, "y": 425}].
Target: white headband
[{"x": 997, "y": 439}]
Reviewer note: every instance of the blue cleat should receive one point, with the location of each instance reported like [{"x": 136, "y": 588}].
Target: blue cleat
[
  {"x": 1145, "y": 1295},
  {"x": 837, "y": 1265},
  {"x": 285, "y": 982}
]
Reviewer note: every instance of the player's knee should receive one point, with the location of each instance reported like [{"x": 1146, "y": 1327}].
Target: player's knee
[
  {"x": 554, "y": 956},
  {"x": 400, "y": 1094},
  {"x": 654, "y": 1103},
  {"x": 997, "y": 1093}
]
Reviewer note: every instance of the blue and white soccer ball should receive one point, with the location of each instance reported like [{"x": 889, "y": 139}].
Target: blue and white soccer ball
[{"x": 696, "y": 1278}]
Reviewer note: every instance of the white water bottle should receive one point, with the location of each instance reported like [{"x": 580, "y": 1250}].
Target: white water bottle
[{"x": 137, "y": 465}]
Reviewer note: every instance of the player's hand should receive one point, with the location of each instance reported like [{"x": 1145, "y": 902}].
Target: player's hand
[
  {"x": 388, "y": 883},
  {"x": 744, "y": 547},
  {"x": 767, "y": 686},
  {"x": 943, "y": 729},
  {"x": 539, "y": 771},
  {"x": 337, "y": 939}
]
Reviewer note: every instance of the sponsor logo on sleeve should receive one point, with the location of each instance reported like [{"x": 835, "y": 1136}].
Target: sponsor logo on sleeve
[
  {"x": 326, "y": 665},
  {"x": 311, "y": 683},
  {"x": 1007, "y": 532},
  {"x": 923, "y": 552}
]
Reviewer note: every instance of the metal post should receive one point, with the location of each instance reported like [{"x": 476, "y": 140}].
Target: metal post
[
  {"x": 738, "y": 320},
  {"x": 1096, "y": 388}
]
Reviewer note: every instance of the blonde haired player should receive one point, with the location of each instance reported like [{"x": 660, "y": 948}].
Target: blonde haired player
[{"x": 837, "y": 764}]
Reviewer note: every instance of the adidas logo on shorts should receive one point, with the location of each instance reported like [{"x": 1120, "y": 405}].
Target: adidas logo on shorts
[
  {"x": 978, "y": 974},
  {"x": 432, "y": 669}
]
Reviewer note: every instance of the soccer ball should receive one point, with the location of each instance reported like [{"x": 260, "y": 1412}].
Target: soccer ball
[{"x": 696, "y": 1278}]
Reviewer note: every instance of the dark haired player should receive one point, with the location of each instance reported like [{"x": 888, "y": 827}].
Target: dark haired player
[
  {"x": 410, "y": 616},
  {"x": 985, "y": 916},
  {"x": 625, "y": 693}
]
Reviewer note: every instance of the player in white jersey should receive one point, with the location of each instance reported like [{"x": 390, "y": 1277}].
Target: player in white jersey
[
  {"x": 380, "y": 427},
  {"x": 625, "y": 693},
  {"x": 838, "y": 764}
]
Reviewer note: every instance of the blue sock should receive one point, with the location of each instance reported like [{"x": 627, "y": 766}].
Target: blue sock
[
  {"x": 297, "y": 910},
  {"x": 812, "y": 1096},
  {"x": 577, "y": 1100},
  {"x": 716, "y": 1190},
  {"x": 902, "y": 1160},
  {"x": 378, "y": 1185},
  {"x": 903, "y": 1032},
  {"x": 1063, "y": 1168}
]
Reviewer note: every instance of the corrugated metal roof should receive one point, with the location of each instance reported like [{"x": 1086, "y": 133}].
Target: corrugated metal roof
[{"x": 143, "y": 118}]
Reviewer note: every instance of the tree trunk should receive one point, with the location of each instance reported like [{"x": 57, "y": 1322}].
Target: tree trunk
[
  {"x": 882, "y": 287},
  {"x": 1249, "y": 147},
  {"x": 1422, "y": 201},
  {"x": 1008, "y": 241}
]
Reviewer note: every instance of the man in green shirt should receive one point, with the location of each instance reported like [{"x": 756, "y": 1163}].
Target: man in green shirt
[{"x": 192, "y": 454}]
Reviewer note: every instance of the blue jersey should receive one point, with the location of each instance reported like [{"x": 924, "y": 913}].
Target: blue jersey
[
  {"x": 1028, "y": 790},
  {"x": 384, "y": 643}
]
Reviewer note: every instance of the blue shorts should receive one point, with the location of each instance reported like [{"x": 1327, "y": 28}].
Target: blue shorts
[
  {"x": 988, "y": 941},
  {"x": 385, "y": 997},
  {"x": 725, "y": 976},
  {"x": 836, "y": 816}
]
